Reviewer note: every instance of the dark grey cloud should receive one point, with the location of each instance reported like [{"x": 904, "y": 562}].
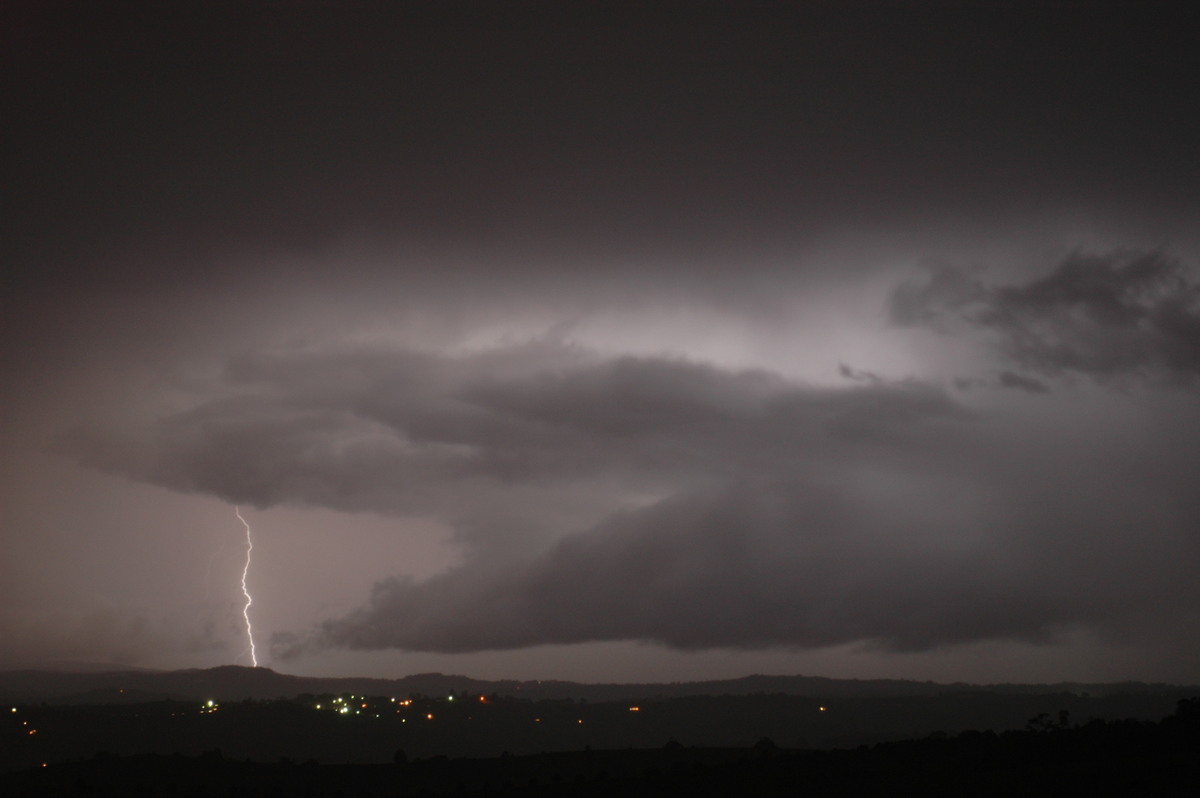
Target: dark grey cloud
[
  {"x": 388, "y": 430},
  {"x": 1103, "y": 316},
  {"x": 1021, "y": 382},
  {"x": 735, "y": 183},
  {"x": 780, "y": 563},
  {"x": 661, "y": 499},
  {"x": 860, "y": 375},
  {"x": 938, "y": 299},
  {"x": 1021, "y": 545},
  {"x": 162, "y": 136}
]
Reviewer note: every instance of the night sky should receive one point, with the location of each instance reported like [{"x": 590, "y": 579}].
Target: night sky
[{"x": 606, "y": 342}]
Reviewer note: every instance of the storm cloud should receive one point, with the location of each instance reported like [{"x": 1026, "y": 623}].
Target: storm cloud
[
  {"x": 722, "y": 337},
  {"x": 657, "y": 499},
  {"x": 757, "y": 565},
  {"x": 1118, "y": 315},
  {"x": 378, "y": 430}
]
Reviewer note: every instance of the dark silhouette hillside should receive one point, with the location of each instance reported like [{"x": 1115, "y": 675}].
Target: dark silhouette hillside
[
  {"x": 355, "y": 728},
  {"x": 1122, "y": 757}
]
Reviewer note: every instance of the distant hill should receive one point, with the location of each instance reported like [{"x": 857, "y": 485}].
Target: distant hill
[{"x": 232, "y": 682}]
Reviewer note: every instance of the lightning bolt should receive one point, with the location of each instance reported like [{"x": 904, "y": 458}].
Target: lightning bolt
[{"x": 245, "y": 570}]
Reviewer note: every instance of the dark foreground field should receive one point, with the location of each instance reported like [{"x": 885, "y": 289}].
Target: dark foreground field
[{"x": 1050, "y": 757}]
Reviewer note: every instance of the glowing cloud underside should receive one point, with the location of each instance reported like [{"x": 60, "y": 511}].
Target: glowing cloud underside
[{"x": 245, "y": 591}]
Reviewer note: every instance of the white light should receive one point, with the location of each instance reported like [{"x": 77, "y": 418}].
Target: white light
[{"x": 245, "y": 592}]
